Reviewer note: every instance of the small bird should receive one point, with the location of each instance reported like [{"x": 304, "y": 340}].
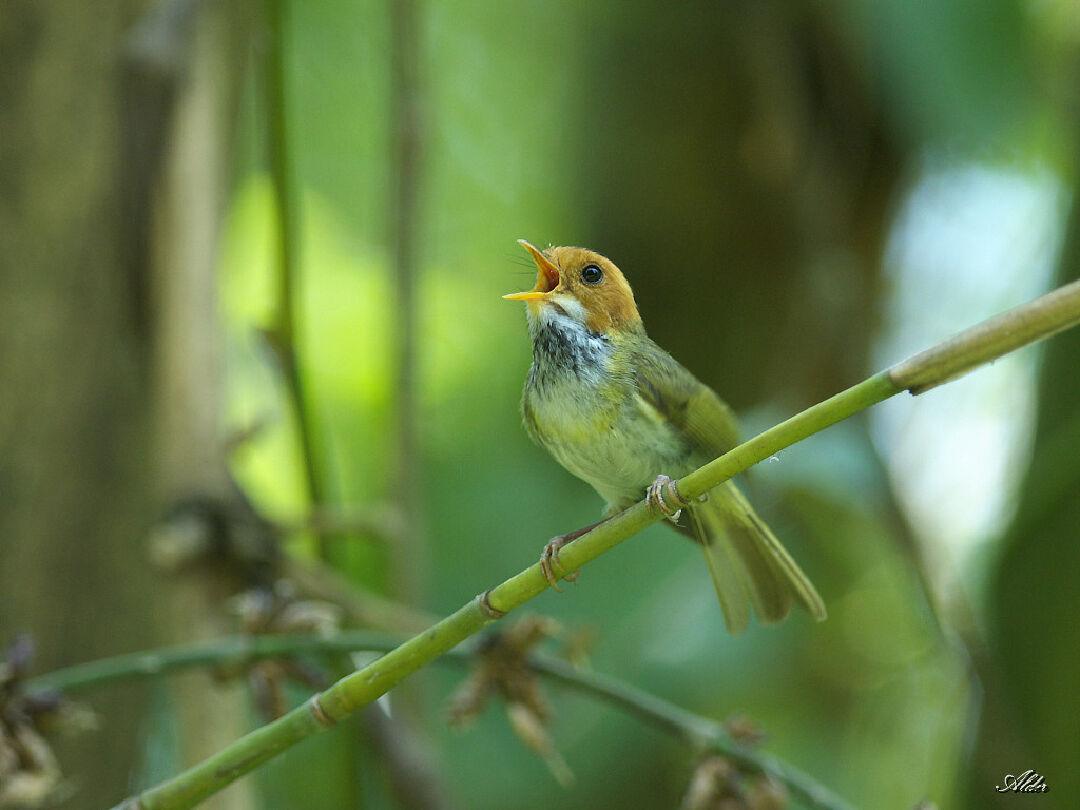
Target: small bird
[{"x": 621, "y": 414}]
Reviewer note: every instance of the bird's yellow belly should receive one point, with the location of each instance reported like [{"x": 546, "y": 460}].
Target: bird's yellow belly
[{"x": 615, "y": 443}]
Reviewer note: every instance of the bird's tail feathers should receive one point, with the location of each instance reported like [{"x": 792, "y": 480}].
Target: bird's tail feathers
[{"x": 748, "y": 564}]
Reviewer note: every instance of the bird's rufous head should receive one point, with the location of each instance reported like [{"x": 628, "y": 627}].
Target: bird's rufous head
[{"x": 580, "y": 284}]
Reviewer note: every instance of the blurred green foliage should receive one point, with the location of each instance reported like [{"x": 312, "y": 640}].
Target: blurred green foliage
[{"x": 739, "y": 161}]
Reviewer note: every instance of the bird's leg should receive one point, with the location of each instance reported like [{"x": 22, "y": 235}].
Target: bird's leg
[
  {"x": 549, "y": 560},
  {"x": 655, "y": 496}
]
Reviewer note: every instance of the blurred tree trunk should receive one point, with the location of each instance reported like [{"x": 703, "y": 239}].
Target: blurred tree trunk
[
  {"x": 75, "y": 426},
  {"x": 116, "y": 127}
]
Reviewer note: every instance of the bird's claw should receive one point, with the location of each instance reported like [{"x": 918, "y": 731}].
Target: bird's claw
[
  {"x": 655, "y": 496},
  {"x": 549, "y": 561}
]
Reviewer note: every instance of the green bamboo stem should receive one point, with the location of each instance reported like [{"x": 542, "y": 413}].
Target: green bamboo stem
[
  {"x": 1045, "y": 316},
  {"x": 1033, "y": 321}
]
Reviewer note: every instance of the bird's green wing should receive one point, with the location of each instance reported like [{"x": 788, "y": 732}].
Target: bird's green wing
[
  {"x": 691, "y": 406},
  {"x": 749, "y": 566}
]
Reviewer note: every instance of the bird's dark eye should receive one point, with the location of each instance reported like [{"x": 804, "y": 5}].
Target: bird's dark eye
[{"x": 591, "y": 274}]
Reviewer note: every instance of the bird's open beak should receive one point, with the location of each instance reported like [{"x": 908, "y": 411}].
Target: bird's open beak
[{"x": 547, "y": 276}]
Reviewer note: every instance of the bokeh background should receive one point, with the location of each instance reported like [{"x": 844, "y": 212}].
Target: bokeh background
[{"x": 801, "y": 193}]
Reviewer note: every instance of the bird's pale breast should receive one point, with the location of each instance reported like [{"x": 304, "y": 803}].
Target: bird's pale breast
[{"x": 581, "y": 403}]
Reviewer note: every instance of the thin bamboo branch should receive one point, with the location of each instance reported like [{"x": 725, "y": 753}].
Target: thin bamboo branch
[
  {"x": 406, "y": 557},
  {"x": 283, "y": 332},
  {"x": 383, "y": 521},
  {"x": 362, "y": 607},
  {"x": 229, "y": 652},
  {"x": 1033, "y": 321},
  {"x": 699, "y": 732},
  {"x": 409, "y": 764}
]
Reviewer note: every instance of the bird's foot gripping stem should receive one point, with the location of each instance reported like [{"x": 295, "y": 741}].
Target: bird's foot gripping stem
[
  {"x": 657, "y": 502},
  {"x": 549, "y": 560}
]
